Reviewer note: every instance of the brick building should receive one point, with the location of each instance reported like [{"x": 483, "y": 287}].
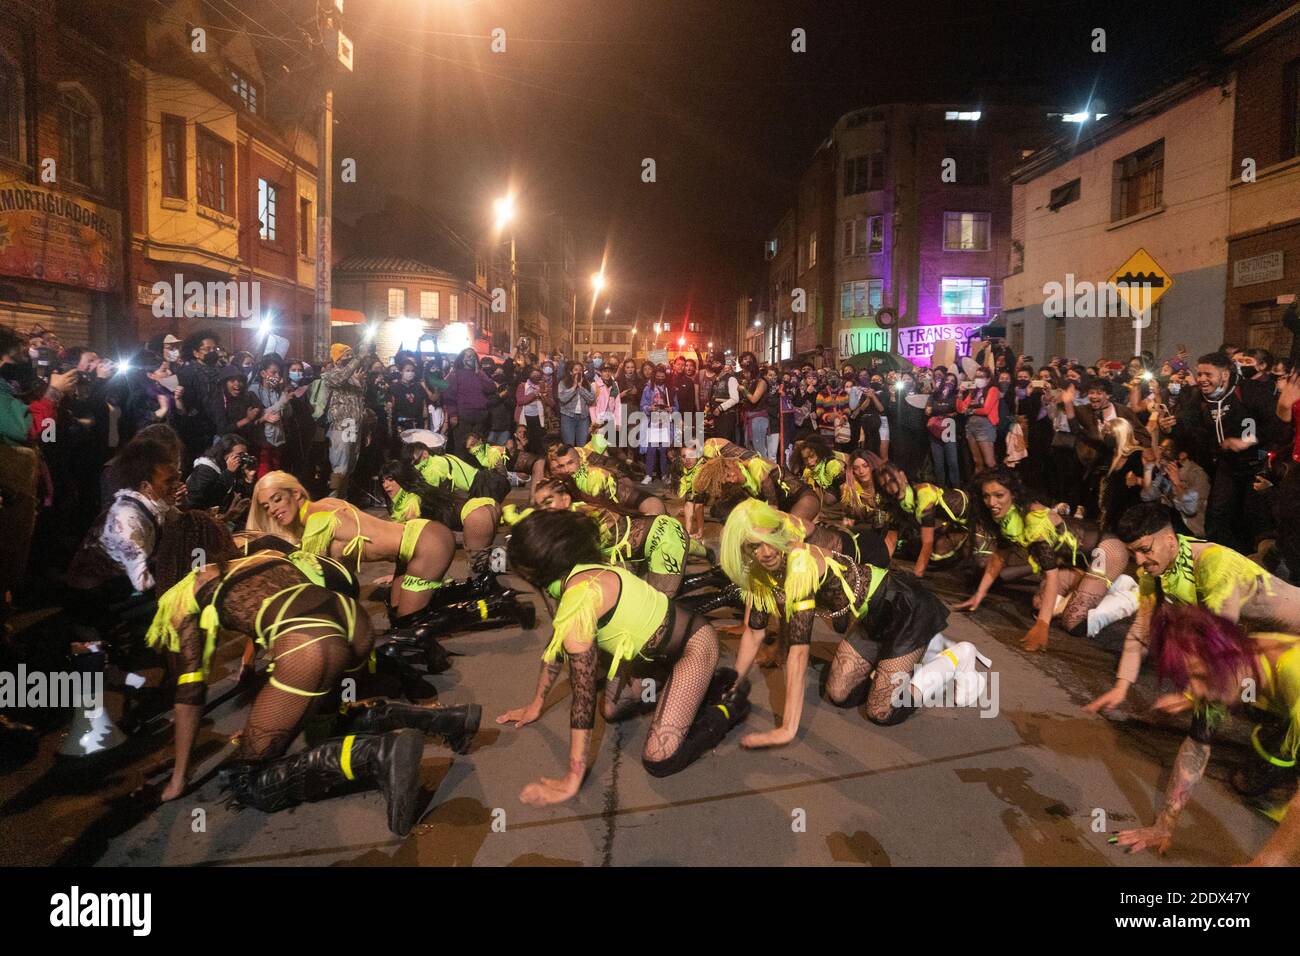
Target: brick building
[
  {"x": 1264, "y": 195},
  {"x": 61, "y": 176}
]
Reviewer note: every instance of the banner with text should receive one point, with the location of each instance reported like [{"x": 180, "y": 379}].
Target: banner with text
[
  {"x": 916, "y": 342},
  {"x": 54, "y": 237}
]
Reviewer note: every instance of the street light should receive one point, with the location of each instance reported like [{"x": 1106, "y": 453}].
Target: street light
[
  {"x": 598, "y": 281},
  {"x": 505, "y": 213}
]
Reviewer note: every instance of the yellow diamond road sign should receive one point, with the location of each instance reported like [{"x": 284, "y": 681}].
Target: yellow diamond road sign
[{"x": 1140, "y": 282}]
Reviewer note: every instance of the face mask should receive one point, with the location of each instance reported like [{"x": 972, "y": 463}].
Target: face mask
[
  {"x": 547, "y": 369},
  {"x": 172, "y": 355},
  {"x": 1246, "y": 371},
  {"x": 597, "y": 362},
  {"x": 295, "y": 377},
  {"x": 981, "y": 382},
  {"x": 1175, "y": 388},
  {"x": 211, "y": 359}
]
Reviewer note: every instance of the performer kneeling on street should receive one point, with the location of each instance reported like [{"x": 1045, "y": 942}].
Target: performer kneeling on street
[
  {"x": 886, "y": 617},
  {"x": 422, "y": 550},
  {"x": 313, "y": 635},
  {"x": 1211, "y": 659},
  {"x": 1175, "y": 569},
  {"x": 610, "y": 614},
  {"x": 658, "y": 543},
  {"x": 1071, "y": 585}
]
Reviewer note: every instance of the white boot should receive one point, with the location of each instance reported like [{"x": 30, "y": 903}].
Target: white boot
[
  {"x": 1118, "y": 603},
  {"x": 945, "y": 662}
]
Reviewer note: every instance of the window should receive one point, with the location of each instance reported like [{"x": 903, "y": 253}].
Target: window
[
  {"x": 972, "y": 165},
  {"x": 215, "y": 166},
  {"x": 812, "y": 250},
  {"x": 1063, "y": 195},
  {"x": 857, "y": 170},
  {"x": 864, "y": 297},
  {"x": 396, "y": 303},
  {"x": 863, "y": 235},
  {"x": 963, "y": 115},
  {"x": 76, "y": 121},
  {"x": 266, "y": 196},
  {"x": 428, "y": 305},
  {"x": 244, "y": 88},
  {"x": 453, "y": 307},
  {"x": 10, "y": 109},
  {"x": 304, "y": 226},
  {"x": 965, "y": 297},
  {"x": 877, "y": 178},
  {"x": 769, "y": 249},
  {"x": 1139, "y": 181},
  {"x": 966, "y": 231},
  {"x": 173, "y": 157}
]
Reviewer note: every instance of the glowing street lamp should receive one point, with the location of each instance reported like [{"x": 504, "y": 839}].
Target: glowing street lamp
[
  {"x": 505, "y": 213},
  {"x": 598, "y": 281}
]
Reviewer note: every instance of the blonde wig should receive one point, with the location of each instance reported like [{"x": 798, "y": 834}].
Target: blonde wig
[{"x": 259, "y": 520}]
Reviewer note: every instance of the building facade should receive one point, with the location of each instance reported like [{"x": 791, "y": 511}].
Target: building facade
[
  {"x": 62, "y": 177},
  {"x": 1152, "y": 178},
  {"x": 410, "y": 304},
  {"x": 1264, "y": 195}
]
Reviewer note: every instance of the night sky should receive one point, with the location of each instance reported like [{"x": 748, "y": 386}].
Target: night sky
[{"x": 711, "y": 91}]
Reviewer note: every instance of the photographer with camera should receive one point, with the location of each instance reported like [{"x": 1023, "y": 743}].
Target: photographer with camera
[{"x": 222, "y": 479}]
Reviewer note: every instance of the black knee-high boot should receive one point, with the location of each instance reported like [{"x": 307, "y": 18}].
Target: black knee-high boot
[
  {"x": 495, "y": 610},
  {"x": 729, "y": 596},
  {"x": 410, "y": 661},
  {"x": 713, "y": 578},
  {"x": 479, "y": 585},
  {"x": 456, "y": 725},
  {"x": 708, "y": 729},
  {"x": 390, "y": 761}
]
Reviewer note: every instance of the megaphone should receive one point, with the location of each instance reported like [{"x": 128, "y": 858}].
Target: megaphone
[{"x": 92, "y": 730}]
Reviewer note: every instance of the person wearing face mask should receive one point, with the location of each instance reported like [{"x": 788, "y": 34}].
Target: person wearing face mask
[
  {"x": 531, "y": 405},
  {"x": 1240, "y": 416},
  {"x": 980, "y": 406},
  {"x": 197, "y": 376},
  {"x": 724, "y": 396},
  {"x": 410, "y": 403},
  {"x": 270, "y": 392},
  {"x": 468, "y": 400}
]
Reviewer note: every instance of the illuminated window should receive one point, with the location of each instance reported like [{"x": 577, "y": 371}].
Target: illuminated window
[
  {"x": 966, "y": 231},
  {"x": 428, "y": 305},
  {"x": 965, "y": 297},
  {"x": 396, "y": 303},
  {"x": 965, "y": 116},
  {"x": 266, "y": 215}
]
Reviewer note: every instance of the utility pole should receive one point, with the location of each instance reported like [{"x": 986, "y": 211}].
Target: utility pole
[{"x": 337, "y": 52}]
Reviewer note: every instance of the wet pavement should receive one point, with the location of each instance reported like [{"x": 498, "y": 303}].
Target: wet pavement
[{"x": 1041, "y": 782}]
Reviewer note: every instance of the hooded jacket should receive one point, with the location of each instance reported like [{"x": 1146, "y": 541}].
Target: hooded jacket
[{"x": 1246, "y": 408}]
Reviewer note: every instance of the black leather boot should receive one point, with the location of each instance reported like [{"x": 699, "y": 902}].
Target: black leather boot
[
  {"x": 471, "y": 589},
  {"x": 390, "y": 761},
  {"x": 495, "y": 610},
  {"x": 724, "y": 679},
  {"x": 408, "y": 662},
  {"x": 729, "y": 596},
  {"x": 713, "y": 578},
  {"x": 710, "y": 726},
  {"x": 456, "y": 725}
]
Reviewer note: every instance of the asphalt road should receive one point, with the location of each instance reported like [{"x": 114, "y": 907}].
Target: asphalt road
[{"x": 947, "y": 787}]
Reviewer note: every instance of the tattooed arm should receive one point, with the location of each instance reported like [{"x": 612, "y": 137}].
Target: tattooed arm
[
  {"x": 582, "y": 716},
  {"x": 545, "y": 681},
  {"x": 1189, "y": 767}
]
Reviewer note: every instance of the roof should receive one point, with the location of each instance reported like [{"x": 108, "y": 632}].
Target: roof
[{"x": 391, "y": 265}]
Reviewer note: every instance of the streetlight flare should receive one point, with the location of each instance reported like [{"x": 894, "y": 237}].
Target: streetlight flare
[{"x": 504, "y": 209}]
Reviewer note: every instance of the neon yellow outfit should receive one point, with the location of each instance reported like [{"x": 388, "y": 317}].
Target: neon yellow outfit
[
  {"x": 596, "y": 482},
  {"x": 439, "y": 470},
  {"x": 1048, "y": 546},
  {"x": 320, "y": 528},
  {"x": 930, "y": 507},
  {"x": 826, "y": 473},
  {"x": 168, "y": 630},
  {"x": 639, "y": 613},
  {"x": 1209, "y": 580},
  {"x": 490, "y": 456}
]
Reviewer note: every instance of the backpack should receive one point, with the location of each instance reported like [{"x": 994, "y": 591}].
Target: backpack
[{"x": 318, "y": 395}]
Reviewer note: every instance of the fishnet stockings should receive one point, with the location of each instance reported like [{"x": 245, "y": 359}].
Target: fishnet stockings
[{"x": 1110, "y": 559}]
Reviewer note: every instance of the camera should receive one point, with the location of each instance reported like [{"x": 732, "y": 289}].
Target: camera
[{"x": 247, "y": 460}]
